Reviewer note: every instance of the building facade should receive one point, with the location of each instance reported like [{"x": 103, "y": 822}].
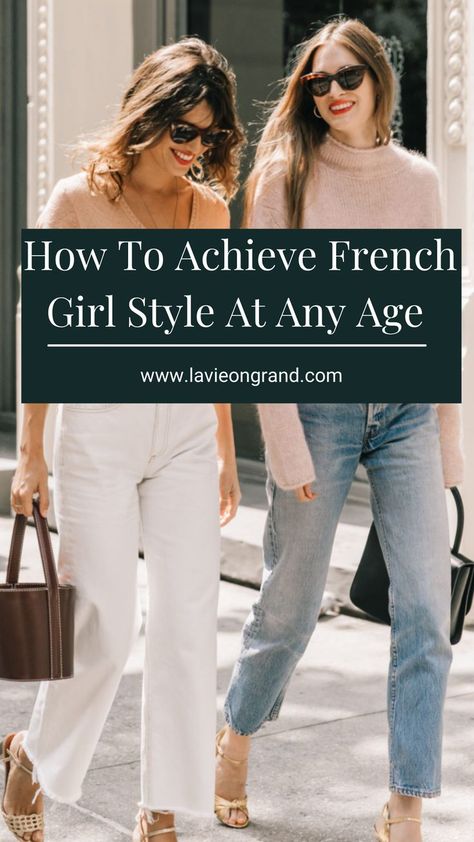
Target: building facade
[{"x": 73, "y": 58}]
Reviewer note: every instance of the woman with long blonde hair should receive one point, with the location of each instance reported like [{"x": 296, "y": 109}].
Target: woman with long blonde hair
[
  {"x": 169, "y": 160},
  {"x": 326, "y": 160}
]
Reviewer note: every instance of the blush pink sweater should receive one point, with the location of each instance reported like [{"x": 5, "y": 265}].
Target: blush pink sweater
[
  {"x": 71, "y": 205},
  {"x": 383, "y": 187}
]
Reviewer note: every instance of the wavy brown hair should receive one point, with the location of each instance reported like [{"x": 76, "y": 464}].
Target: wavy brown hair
[
  {"x": 292, "y": 134},
  {"x": 168, "y": 83}
]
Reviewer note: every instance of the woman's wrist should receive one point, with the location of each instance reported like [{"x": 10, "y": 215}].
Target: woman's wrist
[
  {"x": 226, "y": 452},
  {"x": 32, "y": 449},
  {"x": 225, "y": 433},
  {"x": 31, "y": 442}
]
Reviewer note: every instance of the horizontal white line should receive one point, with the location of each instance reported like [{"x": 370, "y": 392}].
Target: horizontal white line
[{"x": 231, "y": 345}]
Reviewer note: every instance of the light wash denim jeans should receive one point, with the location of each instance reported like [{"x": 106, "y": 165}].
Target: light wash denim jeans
[
  {"x": 119, "y": 468},
  {"x": 399, "y": 446}
]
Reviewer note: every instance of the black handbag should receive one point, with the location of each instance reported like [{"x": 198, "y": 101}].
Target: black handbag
[{"x": 369, "y": 589}]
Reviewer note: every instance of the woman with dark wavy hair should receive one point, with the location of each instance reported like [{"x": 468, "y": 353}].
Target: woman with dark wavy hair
[
  {"x": 169, "y": 160},
  {"x": 326, "y": 160}
]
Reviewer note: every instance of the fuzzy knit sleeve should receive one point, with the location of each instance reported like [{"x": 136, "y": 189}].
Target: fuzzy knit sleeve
[
  {"x": 450, "y": 434},
  {"x": 449, "y": 414},
  {"x": 288, "y": 455},
  {"x": 59, "y": 210}
]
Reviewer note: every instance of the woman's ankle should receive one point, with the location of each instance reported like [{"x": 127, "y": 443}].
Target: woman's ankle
[
  {"x": 154, "y": 816},
  {"x": 405, "y": 805},
  {"x": 237, "y": 745}
]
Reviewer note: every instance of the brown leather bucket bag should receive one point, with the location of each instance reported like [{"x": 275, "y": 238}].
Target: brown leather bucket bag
[{"x": 36, "y": 620}]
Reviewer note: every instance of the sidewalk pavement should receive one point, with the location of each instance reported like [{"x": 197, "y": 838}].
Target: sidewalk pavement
[{"x": 317, "y": 774}]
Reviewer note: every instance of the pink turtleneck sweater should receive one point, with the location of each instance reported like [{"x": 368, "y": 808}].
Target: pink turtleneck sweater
[{"x": 383, "y": 187}]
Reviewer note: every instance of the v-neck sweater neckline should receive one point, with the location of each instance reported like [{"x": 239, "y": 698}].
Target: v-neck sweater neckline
[{"x": 139, "y": 224}]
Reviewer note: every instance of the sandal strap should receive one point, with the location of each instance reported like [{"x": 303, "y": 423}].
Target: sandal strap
[
  {"x": 221, "y": 753},
  {"x": 397, "y": 820},
  {"x": 235, "y": 804},
  {"x": 401, "y": 819},
  {"x": 147, "y": 834},
  {"x": 11, "y": 757},
  {"x": 24, "y": 824},
  {"x": 28, "y": 822}
]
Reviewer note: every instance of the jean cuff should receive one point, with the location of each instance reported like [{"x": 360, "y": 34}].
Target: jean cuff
[
  {"x": 415, "y": 793},
  {"x": 229, "y": 722}
]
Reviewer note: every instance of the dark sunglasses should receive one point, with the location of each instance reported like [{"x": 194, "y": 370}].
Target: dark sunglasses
[
  {"x": 185, "y": 132},
  {"x": 348, "y": 78}
]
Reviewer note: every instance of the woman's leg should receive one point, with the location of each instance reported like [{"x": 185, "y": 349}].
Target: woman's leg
[
  {"x": 180, "y": 517},
  {"x": 97, "y": 462},
  {"x": 403, "y": 460},
  {"x": 298, "y": 541}
]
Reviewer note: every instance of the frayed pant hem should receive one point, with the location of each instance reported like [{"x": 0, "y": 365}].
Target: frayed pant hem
[
  {"x": 415, "y": 793},
  {"x": 37, "y": 777},
  {"x": 237, "y": 730}
]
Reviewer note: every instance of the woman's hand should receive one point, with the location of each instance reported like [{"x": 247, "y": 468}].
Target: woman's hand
[
  {"x": 229, "y": 489},
  {"x": 305, "y": 493},
  {"x": 31, "y": 477}
]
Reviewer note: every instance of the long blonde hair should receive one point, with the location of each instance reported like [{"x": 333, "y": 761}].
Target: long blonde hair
[
  {"x": 168, "y": 83},
  {"x": 292, "y": 133}
]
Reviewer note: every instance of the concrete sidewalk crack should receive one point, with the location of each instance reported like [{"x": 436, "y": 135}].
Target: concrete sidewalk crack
[
  {"x": 125, "y": 831},
  {"x": 114, "y": 765}
]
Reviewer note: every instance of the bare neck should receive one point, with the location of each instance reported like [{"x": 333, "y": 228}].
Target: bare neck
[
  {"x": 365, "y": 139},
  {"x": 148, "y": 177}
]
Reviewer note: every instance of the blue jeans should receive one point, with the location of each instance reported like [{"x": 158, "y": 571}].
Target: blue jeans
[{"x": 399, "y": 446}]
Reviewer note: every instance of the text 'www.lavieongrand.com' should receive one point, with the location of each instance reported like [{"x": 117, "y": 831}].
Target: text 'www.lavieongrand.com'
[{"x": 253, "y": 377}]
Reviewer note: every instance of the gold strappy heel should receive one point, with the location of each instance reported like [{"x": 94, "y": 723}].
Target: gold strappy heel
[
  {"x": 384, "y": 834},
  {"x": 222, "y": 805},
  {"x": 148, "y": 834},
  {"x": 19, "y": 824}
]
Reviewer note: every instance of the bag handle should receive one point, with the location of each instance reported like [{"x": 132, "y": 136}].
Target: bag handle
[
  {"x": 50, "y": 576},
  {"x": 460, "y": 524},
  {"x": 45, "y": 548}
]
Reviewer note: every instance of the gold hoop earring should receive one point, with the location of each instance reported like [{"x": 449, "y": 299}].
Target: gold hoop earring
[
  {"x": 316, "y": 113},
  {"x": 197, "y": 170}
]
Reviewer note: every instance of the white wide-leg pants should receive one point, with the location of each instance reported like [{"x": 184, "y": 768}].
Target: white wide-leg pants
[{"x": 116, "y": 466}]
